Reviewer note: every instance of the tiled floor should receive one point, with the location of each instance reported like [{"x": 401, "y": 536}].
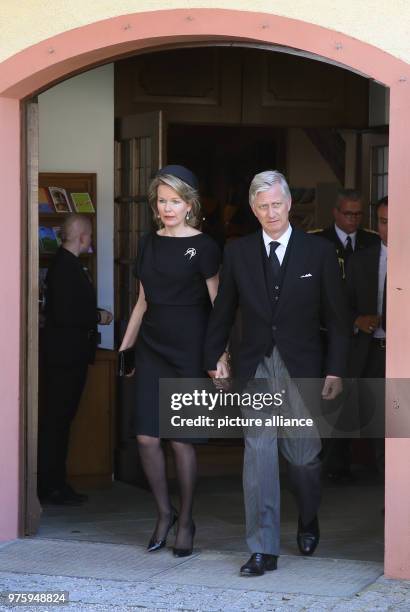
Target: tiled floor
[{"x": 351, "y": 519}]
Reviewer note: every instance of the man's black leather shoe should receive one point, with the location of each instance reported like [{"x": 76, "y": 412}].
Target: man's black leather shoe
[
  {"x": 308, "y": 537},
  {"x": 258, "y": 564}
]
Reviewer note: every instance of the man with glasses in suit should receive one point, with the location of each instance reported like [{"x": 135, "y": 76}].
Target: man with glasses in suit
[
  {"x": 348, "y": 238},
  {"x": 366, "y": 285},
  {"x": 345, "y": 233}
]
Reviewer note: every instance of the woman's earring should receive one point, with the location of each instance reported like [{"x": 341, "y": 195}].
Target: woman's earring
[{"x": 188, "y": 216}]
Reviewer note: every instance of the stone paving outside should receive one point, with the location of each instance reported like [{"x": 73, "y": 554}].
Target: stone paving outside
[
  {"x": 128, "y": 578},
  {"x": 110, "y": 595},
  {"x": 97, "y": 553}
]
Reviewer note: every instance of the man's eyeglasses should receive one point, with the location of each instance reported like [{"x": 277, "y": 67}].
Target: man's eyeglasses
[{"x": 351, "y": 215}]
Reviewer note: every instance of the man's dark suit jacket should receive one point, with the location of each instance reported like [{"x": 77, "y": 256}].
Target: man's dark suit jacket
[
  {"x": 362, "y": 281},
  {"x": 364, "y": 240},
  {"x": 311, "y": 289},
  {"x": 70, "y": 337}
]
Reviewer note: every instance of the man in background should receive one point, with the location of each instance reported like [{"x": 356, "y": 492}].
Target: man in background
[
  {"x": 345, "y": 233},
  {"x": 348, "y": 238},
  {"x": 366, "y": 285},
  {"x": 70, "y": 342}
]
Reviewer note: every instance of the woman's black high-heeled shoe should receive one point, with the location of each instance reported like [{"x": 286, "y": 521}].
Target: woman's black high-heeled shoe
[
  {"x": 185, "y": 552},
  {"x": 154, "y": 544}
]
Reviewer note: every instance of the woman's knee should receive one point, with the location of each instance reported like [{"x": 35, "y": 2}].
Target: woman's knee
[
  {"x": 178, "y": 446},
  {"x": 148, "y": 442}
]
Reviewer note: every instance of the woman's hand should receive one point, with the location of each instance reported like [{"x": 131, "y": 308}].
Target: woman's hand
[
  {"x": 222, "y": 370},
  {"x": 222, "y": 373}
]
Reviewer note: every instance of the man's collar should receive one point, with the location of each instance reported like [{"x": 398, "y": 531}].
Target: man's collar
[
  {"x": 342, "y": 235},
  {"x": 283, "y": 239}
]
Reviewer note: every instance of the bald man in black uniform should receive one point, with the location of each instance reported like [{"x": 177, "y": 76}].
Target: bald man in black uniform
[{"x": 70, "y": 342}]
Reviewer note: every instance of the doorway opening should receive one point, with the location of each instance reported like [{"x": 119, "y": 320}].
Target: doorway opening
[{"x": 227, "y": 114}]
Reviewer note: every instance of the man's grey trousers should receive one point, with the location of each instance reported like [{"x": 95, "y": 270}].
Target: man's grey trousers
[{"x": 261, "y": 461}]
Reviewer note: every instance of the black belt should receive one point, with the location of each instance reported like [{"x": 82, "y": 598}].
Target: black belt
[{"x": 380, "y": 342}]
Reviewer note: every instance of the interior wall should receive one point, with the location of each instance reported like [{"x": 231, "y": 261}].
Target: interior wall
[
  {"x": 350, "y": 138},
  {"x": 77, "y": 135},
  {"x": 307, "y": 168}
]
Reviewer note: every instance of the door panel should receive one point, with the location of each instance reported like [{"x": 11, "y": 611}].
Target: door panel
[
  {"x": 374, "y": 165},
  {"x": 139, "y": 152}
]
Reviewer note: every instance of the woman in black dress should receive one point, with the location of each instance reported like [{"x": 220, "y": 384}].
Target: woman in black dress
[{"x": 177, "y": 267}]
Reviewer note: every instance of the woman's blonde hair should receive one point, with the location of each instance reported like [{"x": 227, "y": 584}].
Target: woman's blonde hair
[{"x": 187, "y": 193}]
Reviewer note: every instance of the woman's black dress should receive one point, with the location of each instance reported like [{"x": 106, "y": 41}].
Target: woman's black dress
[{"x": 173, "y": 273}]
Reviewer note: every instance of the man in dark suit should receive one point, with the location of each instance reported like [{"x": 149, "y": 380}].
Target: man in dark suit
[
  {"x": 345, "y": 233},
  {"x": 347, "y": 237},
  {"x": 70, "y": 341},
  {"x": 284, "y": 282},
  {"x": 366, "y": 285}
]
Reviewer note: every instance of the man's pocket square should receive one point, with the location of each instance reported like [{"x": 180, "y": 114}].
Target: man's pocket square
[{"x": 306, "y": 275}]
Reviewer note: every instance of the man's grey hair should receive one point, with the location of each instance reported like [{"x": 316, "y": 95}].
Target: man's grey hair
[
  {"x": 264, "y": 181},
  {"x": 347, "y": 194}
]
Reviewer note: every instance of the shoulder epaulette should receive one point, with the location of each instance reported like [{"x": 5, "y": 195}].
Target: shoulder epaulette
[
  {"x": 315, "y": 231},
  {"x": 369, "y": 231}
]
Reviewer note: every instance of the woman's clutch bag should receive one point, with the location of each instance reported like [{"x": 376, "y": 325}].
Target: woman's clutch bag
[{"x": 126, "y": 362}]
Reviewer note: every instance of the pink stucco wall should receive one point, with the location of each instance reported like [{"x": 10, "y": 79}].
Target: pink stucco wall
[
  {"x": 44, "y": 63},
  {"x": 9, "y": 316},
  {"x": 397, "y": 493}
]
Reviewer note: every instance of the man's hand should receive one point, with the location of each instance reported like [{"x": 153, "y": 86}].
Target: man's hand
[
  {"x": 105, "y": 317},
  {"x": 332, "y": 387},
  {"x": 367, "y": 323}
]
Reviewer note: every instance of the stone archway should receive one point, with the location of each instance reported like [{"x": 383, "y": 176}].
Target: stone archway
[{"x": 41, "y": 65}]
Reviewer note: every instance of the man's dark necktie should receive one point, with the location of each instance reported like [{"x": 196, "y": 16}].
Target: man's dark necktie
[
  {"x": 273, "y": 258},
  {"x": 348, "y": 246},
  {"x": 383, "y": 322}
]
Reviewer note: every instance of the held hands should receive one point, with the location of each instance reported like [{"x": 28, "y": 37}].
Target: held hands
[
  {"x": 222, "y": 373},
  {"x": 332, "y": 387},
  {"x": 367, "y": 323},
  {"x": 105, "y": 317},
  {"x": 222, "y": 367}
]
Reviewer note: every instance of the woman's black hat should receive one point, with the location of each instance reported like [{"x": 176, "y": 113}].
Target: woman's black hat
[{"x": 180, "y": 172}]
